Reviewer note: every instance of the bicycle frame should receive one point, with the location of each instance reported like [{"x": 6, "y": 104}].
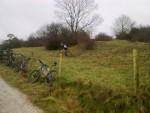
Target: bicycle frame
[{"x": 44, "y": 68}]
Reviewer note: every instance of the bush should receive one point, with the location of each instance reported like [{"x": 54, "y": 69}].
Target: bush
[
  {"x": 50, "y": 35},
  {"x": 123, "y": 36},
  {"x": 53, "y": 43},
  {"x": 103, "y": 37},
  {"x": 141, "y": 34},
  {"x": 34, "y": 42},
  {"x": 55, "y": 35},
  {"x": 63, "y": 34},
  {"x": 12, "y": 43},
  {"x": 84, "y": 41},
  {"x": 70, "y": 39}
]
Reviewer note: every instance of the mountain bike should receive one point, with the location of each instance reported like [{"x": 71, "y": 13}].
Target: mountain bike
[
  {"x": 2, "y": 56},
  {"x": 49, "y": 74},
  {"x": 7, "y": 57},
  {"x": 10, "y": 58},
  {"x": 21, "y": 63}
]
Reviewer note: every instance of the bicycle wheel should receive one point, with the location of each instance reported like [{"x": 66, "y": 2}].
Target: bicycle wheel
[
  {"x": 17, "y": 67},
  {"x": 51, "y": 76},
  {"x": 34, "y": 76}
]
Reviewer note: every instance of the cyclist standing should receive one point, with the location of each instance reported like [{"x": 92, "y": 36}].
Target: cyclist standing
[{"x": 66, "y": 49}]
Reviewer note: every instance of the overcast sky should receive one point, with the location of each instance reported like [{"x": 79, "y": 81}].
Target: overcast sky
[{"x": 23, "y": 17}]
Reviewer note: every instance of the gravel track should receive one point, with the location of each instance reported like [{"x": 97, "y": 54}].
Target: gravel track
[{"x": 13, "y": 101}]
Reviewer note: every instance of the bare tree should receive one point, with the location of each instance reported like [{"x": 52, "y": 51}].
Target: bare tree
[
  {"x": 77, "y": 14},
  {"x": 11, "y": 36},
  {"x": 123, "y": 25}
]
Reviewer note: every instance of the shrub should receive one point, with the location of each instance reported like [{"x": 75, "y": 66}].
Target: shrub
[
  {"x": 103, "y": 37},
  {"x": 122, "y": 36},
  {"x": 50, "y": 35},
  {"x": 53, "y": 43},
  {"x": 63, "y": 34},
  {"x": 11, "y": 43},
  {"x": 34, "y": 42},
  {"x": 141, "y": 34},
  {"x": 84, "y": 41},
  {"x": 70, "y": 39},
  {"x": 55, "y": 34}
]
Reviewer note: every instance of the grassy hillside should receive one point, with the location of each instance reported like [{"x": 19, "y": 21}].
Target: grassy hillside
[{"x": 96, "y": 81}]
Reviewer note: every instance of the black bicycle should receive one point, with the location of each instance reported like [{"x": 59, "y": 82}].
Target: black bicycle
[
  {"x": 21, "y": 63},
  {"x": 49, "y": 74},
  {"x": 7, "y": 57}
]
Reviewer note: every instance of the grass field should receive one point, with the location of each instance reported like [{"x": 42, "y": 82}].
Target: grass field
[{"x": 94, "y": 81}]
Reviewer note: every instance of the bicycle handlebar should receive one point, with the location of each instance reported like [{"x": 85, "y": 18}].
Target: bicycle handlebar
[
  {"x": 40, "y": 62},
  {"x": 54, "y": 64}
]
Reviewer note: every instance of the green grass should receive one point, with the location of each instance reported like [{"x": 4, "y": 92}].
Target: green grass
[{"x": 95, "y": 81}]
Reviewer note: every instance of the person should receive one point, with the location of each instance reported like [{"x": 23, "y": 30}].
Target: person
[{"x": 66, "y": 49}]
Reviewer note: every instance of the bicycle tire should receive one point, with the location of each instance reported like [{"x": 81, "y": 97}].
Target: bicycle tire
[
  {"x": 17, "y": 67},
  {"x": 51, "y": 76},
  {"x": 34, "y": 76}
]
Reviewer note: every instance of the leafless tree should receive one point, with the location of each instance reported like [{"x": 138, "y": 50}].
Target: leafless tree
[
  {"x": 78, "y": 14},
  {"x": 11, "y": 36},
  {"x": 123, "y": 24}
]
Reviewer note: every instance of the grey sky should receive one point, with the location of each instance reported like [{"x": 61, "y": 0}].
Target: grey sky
[{"x": 23, "y": 17}]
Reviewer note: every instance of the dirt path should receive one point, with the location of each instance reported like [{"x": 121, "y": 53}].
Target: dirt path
[{"x": 13, "y": 101}]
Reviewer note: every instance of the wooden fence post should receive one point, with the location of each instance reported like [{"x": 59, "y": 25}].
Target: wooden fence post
[
  {"x": 32, "y": 54},
  {"x": 136, "y": 70},
  {"x": 60, "y": 64}
]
